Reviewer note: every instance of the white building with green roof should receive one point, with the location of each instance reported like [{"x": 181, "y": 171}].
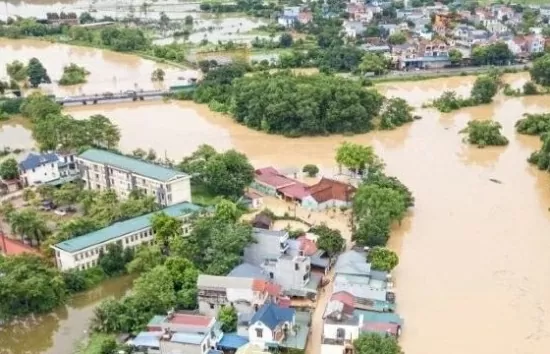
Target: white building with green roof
[
  {"x": 104, "y": 170},
  {"x": 82, "y": 252}
]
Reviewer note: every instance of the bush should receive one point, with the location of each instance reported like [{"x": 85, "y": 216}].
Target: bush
[
  {"x": 311, "y": 170},
  {"x": 534, "y": 124},
  {"x": 483, "y": 133}
]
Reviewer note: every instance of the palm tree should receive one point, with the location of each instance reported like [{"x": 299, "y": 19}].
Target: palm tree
[{"x": 29, "y": 224}]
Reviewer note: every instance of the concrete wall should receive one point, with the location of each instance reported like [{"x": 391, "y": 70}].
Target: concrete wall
[
  {"x": 180, "y": 191},
  {"x": 332, "y": 349},
  {"x": 330, "y": 330},
  {"x": 42, "y": 174},
  {"x": 267, "y": 335}
]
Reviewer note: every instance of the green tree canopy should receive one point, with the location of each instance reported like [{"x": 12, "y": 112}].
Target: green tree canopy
[
  {"x": 37, "y": 73},
  {"x": 396, "y": 112},
  {"x": 9, "y": 169},
  {"x": 382, "y": 259},
  {"x": 228, "y": 173},
  {"x": 374, "y": 343},
  {"x": 484, "y": 89},
  {"x": 455, "y": 56},
  {"x": 373, "y": 63},
  {"x": 311, "y": 170},
  {"x": 534, "y": 124},
  {"x": 16, "y": 70},
  {"x": 540, "y": 71},
  {"x": 158, "y": 75},
  {"x": 38, "y": 106},
  {"x": 397, "y": 38},
  {"x": 228, "y": 319},
  {"x": 484, "y": 132},
  {"x": 29, "y": 224},
  {"x": 226, "y": 210},
  {"x": 73, "y": 74},
  {"x": 330, "y": 240},
  {"x": 356, "y": 157}
]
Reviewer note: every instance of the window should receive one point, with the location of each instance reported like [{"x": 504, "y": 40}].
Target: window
[
  {"x": 211, "y": 306},
  {"x": 306, "y": 276},
  {"x": 340, "y": 333},
  {"x": 259, "y": 332},
  {"x": 296, "y": 266},
  {"x": 33, "y": 170},
  {"x": 270, "y": 275},
  {"x": 127, "y": 240}
]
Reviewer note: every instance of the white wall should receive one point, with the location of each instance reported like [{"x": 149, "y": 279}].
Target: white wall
[
  {"x": 42, "y": 174},
  {"x": 180, "y": 190},
  {"x": 234, "y": 294},
  {"x": 332, "y": 349},
  {"x": 329, "y": 331},
  {"x": 267, "y": 335}
]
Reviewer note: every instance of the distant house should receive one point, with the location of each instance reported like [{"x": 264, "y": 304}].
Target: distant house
[
  {"x": 360, "y": 12},
  {"x": 430, "y": 55},
  {"x": 294, "y": 14},
  {"x": 9, "y": 186},
  {"x": 354, "y": 28},
  {"x": 320, "y": 261},
  {"x": 46, "y": 167},
  {"x": 262, "y": 221},
  {"x": 271, "y": 325},
  {"x": 253, "y": 199}
]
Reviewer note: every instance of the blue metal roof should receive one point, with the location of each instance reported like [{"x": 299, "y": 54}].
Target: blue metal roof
[
  {"x": 232, "y": 341},
  {"x": 147, "y": 339},
  {"x": 36, "y": 160},
  {"x": 123, "y": 228},
  {"x": 137, "y": 166},
  {"x": 272, "y": 315}
]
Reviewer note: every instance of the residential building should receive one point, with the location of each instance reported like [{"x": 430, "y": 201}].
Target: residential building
[
  {"x": 271, "y": 325},
  {"x": 360, "y": 12},
  {"x": 253, "y": 200},
  {"x": 104, "y": 170},
  {"x": 354, "y": 28},
  {"x": 180, "y": 333},
  {"x": 46, "y": 167},
  {"x": 329, "y": 193},
  {"x": 262, "y": 221},
  {"x": 293, "y": 14},
  {"x": 320, "y": 261},
  {"x": 271, "y": 252},
  {"x": 82, "y": 252},
  {"x": 246, "y": 295},
  {"x": 371, "y": 290}
]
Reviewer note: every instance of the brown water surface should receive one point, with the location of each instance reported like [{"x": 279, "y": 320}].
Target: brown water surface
[
  {"x": 474, "y": 274},
  {"x": 58, "y": 332}
]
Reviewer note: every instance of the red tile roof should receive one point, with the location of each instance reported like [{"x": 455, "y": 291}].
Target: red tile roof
[
  {"x": 345, "y": 298},
  {"x": 11, "y": 247},
  {"x": 265, "y": 286},
  {"x": 273, "y": 178},
  {"x": 330, "y": 189},
  {"x": 297, "y": 190},
  {"x": 307, "y": 246},
  {"x": 190, "y": 320}
]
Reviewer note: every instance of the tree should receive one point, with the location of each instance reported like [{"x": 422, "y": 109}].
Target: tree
[
  {"x": 455, "y": 56},
  {"x": 485, "y": 88},
  {"x": 114, "y": 260},
  {"x": 382, "y": 259},
  {"x": 372, "y": 199},
  {"x": 85, "y": 17},
  {"x": 165, "y": 228},
  {"x": 226, "y": 210},
  {"x": 228, "y": 174},
  {"x": 373, "y": 63},
  {"x": 483, "y": 133},
  {"x": 372, "y": 230},
  {"x": 38, "y": 106},
  {"x": 67, "y": 194},
  {"x": 534, "y": 124},
  {"x": 158, "y": 75},
  {"x": 156, "y": 287},
  {"x": 374, "y": 343},
  {"x": 37, "y": 73},
  {"x": 29, "y": 285},
  {"x": 73, "y": 74},
  {"x": 9, "y": 169},
  {"x": 529, "y": 88},
  {"x": 310, "y": 170},
  {"x": 46, "y": 191},
  {"x": 286, "y": 40},
  {"x": 540, "y": 71},
  {"x": 189, "y": 20},
  {"x": 194, "y": 165},
  {"x": 355, "y": 157},
  {"x": 228, "y": 319},
  {"x": 139, "y": 153},
  {"x": 28, "y": 223},
  {"x": 145, "y": 258},
  {"x": 330, "y": 240},
  {"x": 397, "y": 38},
  {"x": 16, "y": 70},
  {"x": 395, "y": 113}
]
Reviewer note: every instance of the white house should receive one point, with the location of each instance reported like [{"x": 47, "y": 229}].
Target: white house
[
  {"x": 82, "y": 252},
  {"x": 340, "y": 327},
  {"x": 47, "y": 167},
  {"x": 271, "y": 324},
  {"x": 104, "y": 170}
]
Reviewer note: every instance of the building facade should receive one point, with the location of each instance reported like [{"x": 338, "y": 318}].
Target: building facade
[
  {"x": 104, "y": 170},
  {"x": 45, "y": 168},
  {"x": 83, "y": 252}
]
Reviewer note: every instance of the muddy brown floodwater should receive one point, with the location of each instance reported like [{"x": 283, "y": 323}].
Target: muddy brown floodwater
[
  {"x": 59, "y": 331},
  {"x": 474, "y": 273}
]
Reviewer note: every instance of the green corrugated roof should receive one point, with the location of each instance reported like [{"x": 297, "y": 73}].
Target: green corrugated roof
[
  {"x": 130, "y": 164},
  {"x": 123, "y": 228},
  {"x": 156, "y": 320}
]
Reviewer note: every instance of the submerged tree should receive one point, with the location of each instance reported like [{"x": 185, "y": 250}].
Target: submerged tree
[
  {"x": 158, "y": 75},
  {"x": 382, "y": 259},
  {"x": 37, "y": 73},
  {"x": 395, "y": 113},
  {"x": 483, "y": 133}
]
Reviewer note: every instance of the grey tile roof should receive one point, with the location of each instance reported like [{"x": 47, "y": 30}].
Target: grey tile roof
[
  {"x": 352, "y": 262},
  {"x": 358, "y": 290},
  {"x": 247, "y": 270}
]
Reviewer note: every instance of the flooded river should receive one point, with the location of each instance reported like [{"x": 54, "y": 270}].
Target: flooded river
[
  {"x": 474, "y": 271},
  {"x": 59, "y": 331}
]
